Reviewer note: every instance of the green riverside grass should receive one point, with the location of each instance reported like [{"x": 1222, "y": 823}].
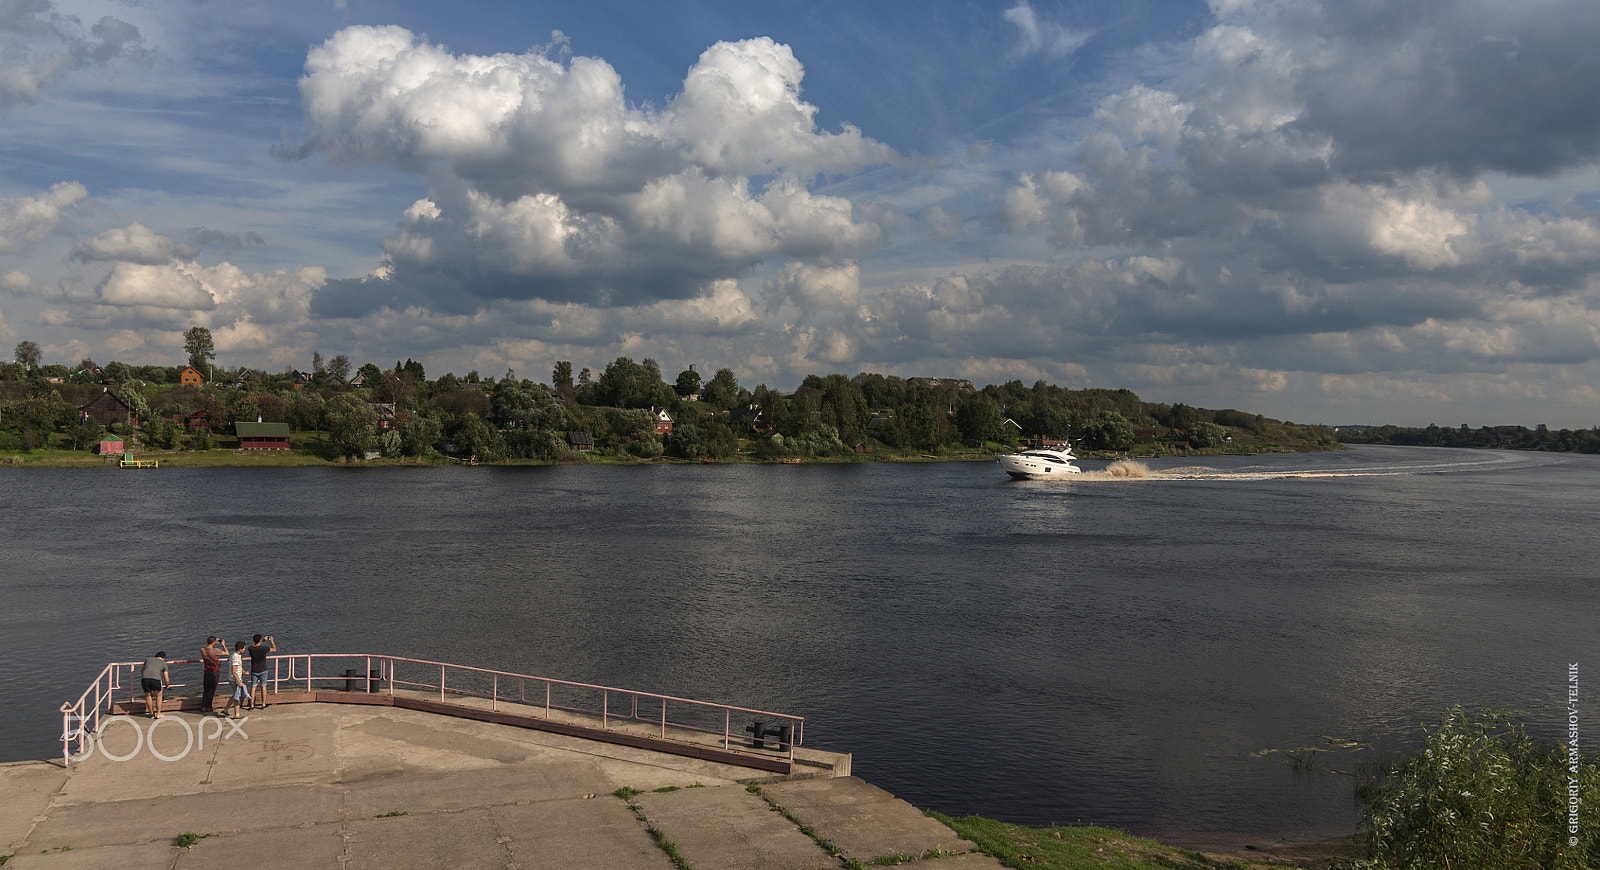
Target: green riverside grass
[{"x": 1074, "y": 847}]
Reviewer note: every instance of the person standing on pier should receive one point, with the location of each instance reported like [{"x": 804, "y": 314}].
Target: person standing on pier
[
  {"x": 154, "y": 680},
  {"x": 213, "y": 666},
  {"x": 258, "y": 670},
  {"x": 236, "y": 672}
]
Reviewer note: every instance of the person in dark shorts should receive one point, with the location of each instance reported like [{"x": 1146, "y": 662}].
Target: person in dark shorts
[
  {"x": 209, "y": 656},
  {"x": 258, "y": 670},
  {"x": 154, "y": 680}
]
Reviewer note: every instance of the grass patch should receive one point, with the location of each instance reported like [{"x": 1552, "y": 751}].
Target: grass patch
[
  {"x": 627, "y": 793},
  {"x": 390, "y": 815},
  {"x": 185, "y": 840},
  {"x": 1081, "y": 848}
]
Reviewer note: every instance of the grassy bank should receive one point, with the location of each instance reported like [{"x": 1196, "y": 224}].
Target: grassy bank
[{"x": 1071, "y": 847}]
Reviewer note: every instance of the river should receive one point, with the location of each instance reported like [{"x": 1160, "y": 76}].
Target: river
[{"x": 1115, "y": 651}]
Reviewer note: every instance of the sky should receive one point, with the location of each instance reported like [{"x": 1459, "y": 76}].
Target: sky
[{"x": 1325, "y": 212}]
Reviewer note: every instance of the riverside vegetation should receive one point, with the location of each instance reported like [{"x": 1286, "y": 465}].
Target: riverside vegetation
[
  {"x": 403, "y": 416},
  {"x": 1479, "y": 793}
]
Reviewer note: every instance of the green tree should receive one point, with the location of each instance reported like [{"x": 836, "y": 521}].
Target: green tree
[
  {"x": 339, "y": 367},
  {"x": 160, "y": 434},
  {"x": 1206, "y": 435},
  {"x": 85, "y": 435},
  {"x": 561, "y": 377},
  {"x": 198, "y": 345},
  {"x": 27, "y": 354},
  {"x": 418, "y": 435},
  {"x": 722, "y": 392},
  {"x": 352, "y": 424},
  {"x": 627, "y": 384},
  {"x": 688, "y": 383},
  {"x": 978, "y": 420},
  {"x": 134, "y": 398},
  {"x": 306, "y": 411},
  {"x": 473, "y": 437},
  {"x": 1110, "y": 431}
]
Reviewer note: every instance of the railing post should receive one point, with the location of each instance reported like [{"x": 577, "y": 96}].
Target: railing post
[
  {"x": 727, "y": 718},
  {"x": 441, "y": 682},
  {"x": 605, "y": 710},
  {"x": 663, "y": 718},
  {"x": 494, "y": 693},
  {"x": 547, "y": 699}
]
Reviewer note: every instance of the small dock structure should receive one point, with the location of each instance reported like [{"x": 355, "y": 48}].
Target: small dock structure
[{"x": 758, "y": 739}]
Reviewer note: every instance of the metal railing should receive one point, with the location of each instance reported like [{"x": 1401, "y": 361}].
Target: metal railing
[{"x": 616, "y": 709}]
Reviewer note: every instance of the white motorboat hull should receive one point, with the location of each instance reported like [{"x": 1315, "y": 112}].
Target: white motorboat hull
[{"x": 1038, "y": 464}]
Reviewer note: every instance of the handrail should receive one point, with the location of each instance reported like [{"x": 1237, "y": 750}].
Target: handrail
[{"x": 298, "y": 669}]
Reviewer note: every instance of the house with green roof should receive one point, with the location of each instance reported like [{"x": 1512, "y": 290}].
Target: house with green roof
[{"x": 262, "y": 436}]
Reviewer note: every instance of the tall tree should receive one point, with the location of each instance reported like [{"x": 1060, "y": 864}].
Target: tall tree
[
  {"x": 339, "y": 367},
  {"x": 561, "y": 376},
  {"x": 28, "y": 355},
  {"x": 723, "y": 391},
  {"x": 688, "y": 383},
  {"x": 352, "y": 424},
  {"x": 197, "y": 344}
]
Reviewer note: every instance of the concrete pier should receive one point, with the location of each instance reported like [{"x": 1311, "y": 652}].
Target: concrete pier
[{"x": 354, "y": 786}]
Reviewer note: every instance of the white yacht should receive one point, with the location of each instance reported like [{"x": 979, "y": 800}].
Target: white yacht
[{"x": 1039, "y": 463}]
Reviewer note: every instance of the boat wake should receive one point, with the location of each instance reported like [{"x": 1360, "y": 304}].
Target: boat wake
[{"x": 1129, "y": 469}]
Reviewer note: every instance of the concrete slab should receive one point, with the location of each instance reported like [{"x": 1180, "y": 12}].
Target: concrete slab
[
  {"x": 864, "y": 821},
  {"x": 465, "y": 840},
  {"x": 599, "y": 833},
  {"x": 150, "y": 856},
  {"x": 29, "y": 786},
  {"x": 159, "y": 818},
  {"x": 727, "y": 828},
  {"x": 317, "y": 846},
  {"x": 432, "y": 791}
]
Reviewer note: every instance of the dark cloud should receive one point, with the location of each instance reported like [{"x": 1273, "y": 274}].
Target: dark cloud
[{"x": 1463, "y": 87}]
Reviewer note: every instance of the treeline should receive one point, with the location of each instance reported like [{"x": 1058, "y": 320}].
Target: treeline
[
  {"x": 400, "y": 412},
  {"x": 1506, "y": 437}
]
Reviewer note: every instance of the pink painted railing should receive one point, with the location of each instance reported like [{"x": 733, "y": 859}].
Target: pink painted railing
[{"x": 316, "y": 671}]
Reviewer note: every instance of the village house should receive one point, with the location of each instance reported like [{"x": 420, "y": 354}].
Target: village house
[
  {"x": 190, "y": 377},
  {"x": 106, "y": 409},
  {"x": 663, "y": 420},
  {"x": 262, "y": 436}
]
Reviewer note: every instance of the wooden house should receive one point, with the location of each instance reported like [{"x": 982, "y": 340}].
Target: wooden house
[
  {"x": 106, "y": 409},
  {"x": 190, "y": 377},
  {"x": 110, "y": 445},
  {"x": 262, "y": 436},
  {"x": 581, "y": 442}
]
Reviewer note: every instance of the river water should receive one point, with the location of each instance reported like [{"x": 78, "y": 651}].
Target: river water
[{"x": 1115, "y": 651}]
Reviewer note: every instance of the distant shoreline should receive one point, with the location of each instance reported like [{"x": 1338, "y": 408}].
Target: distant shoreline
[{"x": 229, "y": 458}]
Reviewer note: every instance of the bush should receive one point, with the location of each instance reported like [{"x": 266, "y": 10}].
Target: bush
[{"x": 1482, "y": 793}]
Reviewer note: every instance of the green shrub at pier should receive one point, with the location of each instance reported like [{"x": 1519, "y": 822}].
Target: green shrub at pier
[{"x": 1483, "y": 793}]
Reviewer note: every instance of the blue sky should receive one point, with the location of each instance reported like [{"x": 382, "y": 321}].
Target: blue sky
[{"x": 1324, "y": 212}]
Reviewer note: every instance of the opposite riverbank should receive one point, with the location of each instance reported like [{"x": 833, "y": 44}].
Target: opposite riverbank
[{"x": 311, "y": 450}]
